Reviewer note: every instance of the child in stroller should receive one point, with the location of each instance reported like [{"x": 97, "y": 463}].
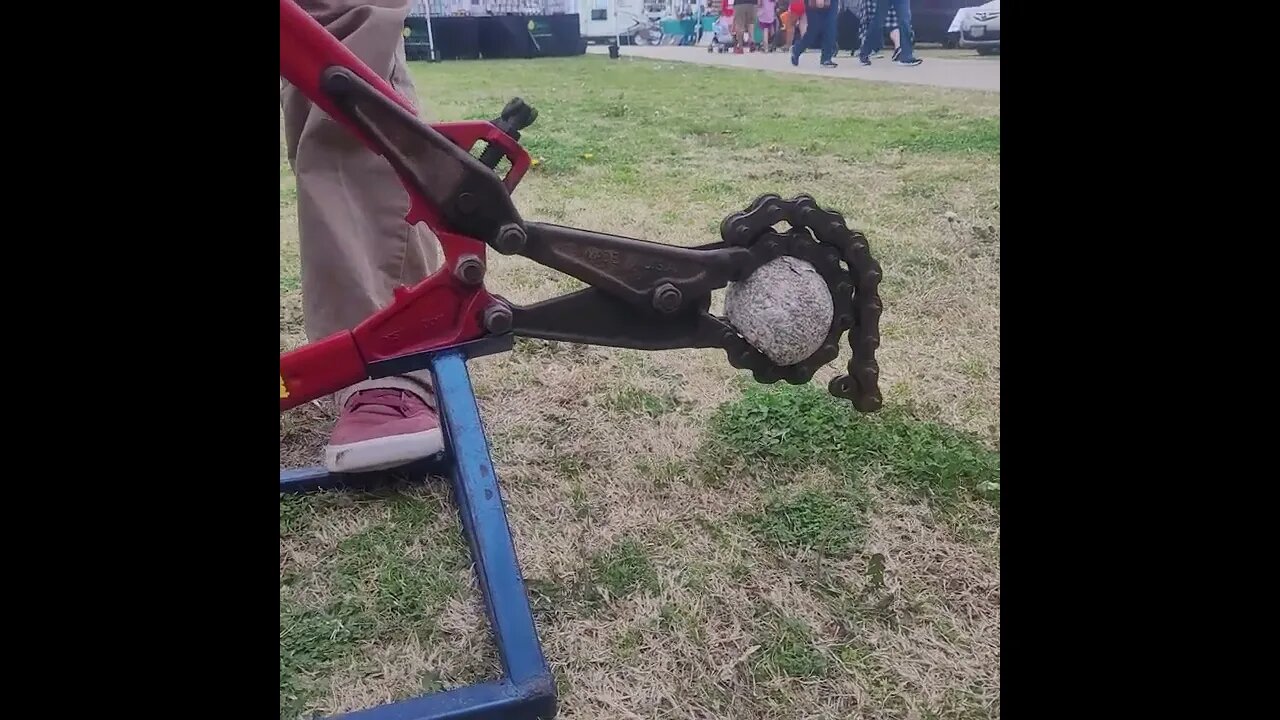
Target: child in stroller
[{"x": 722, "y": 34}]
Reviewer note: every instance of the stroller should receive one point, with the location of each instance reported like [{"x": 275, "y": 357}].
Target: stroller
[{"x": 722, "y": 34}]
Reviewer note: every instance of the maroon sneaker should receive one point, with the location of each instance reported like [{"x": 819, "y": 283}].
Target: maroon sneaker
[{"x": 380, "y": 429}]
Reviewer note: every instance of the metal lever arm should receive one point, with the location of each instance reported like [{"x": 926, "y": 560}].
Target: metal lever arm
[
  {"x": 454, "y": 191},
  {"x": 592, "y": 317},
  {"x": 642, "y": 274}
]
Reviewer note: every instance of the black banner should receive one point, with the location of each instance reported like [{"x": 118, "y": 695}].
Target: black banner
[
  {"x": 530, "y": 36},
  {"x": 457, "y": 38},
  {"x": 503, "y": 36}
]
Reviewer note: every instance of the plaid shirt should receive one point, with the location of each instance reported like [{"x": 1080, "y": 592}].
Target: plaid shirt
[{"x": 869, "y": 11}]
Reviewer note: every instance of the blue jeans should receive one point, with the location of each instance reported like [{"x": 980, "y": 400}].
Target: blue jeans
[
  {"x": 822, "y": 27},
  {"x": 873, "y": 40}
]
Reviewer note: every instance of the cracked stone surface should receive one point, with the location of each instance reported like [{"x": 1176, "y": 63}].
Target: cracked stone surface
[{"x": 783, "y": 309}]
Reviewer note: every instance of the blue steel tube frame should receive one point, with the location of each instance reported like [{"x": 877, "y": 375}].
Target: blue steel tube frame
[{"x": 526, "y": 691}]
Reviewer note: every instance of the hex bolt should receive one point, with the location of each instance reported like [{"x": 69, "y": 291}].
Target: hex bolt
[
  {"x": 469, "y": 270},
  {"x": 336, "y": 82},
  {"x": 510, "y": 240},
  {"x": 497, "y": 319},
  {"x": 666, "y": 298}
]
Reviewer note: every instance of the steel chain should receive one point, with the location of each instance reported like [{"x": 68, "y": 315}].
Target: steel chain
[{"x": 821, "y": 238}]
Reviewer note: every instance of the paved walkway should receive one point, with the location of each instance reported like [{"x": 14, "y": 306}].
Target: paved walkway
[{"x": 975, "y": 74}]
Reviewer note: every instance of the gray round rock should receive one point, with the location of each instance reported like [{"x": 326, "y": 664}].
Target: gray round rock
[{"x": 784, "y": 309}]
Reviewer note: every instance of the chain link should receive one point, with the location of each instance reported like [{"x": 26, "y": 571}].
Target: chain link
[{"x": 843, "y": 258}]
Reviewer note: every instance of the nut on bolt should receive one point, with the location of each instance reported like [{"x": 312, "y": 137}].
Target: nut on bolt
[
  {"x": 666, "y": 298},
  {"x": 469, "y": 270},
  {"x": 497, "y": 319},
  {"x": 510, "y": 240}
]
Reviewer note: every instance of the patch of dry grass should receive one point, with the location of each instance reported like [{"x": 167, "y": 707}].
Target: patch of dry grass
[{"x": 655, "y": 594}]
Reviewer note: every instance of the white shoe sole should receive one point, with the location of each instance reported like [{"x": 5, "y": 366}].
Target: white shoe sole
[{"x": 383, "y": 453}]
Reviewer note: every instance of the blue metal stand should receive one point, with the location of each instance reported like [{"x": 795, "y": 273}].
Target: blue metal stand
[{"x": 526, "y": 691}]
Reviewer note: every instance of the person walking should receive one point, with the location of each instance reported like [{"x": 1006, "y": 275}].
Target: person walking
[
  {"x": 868, "y": 11},
  {"x": 873, "y": 38},
  {"x": 821, "y": 15},
  {"x": 768, "y": 23},
  {"x": 794, "y": 21},
  {"x": 744, "y": 24}
]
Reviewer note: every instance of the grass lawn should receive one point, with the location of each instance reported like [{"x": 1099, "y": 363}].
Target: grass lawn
[{"x": 697, "y": 546}]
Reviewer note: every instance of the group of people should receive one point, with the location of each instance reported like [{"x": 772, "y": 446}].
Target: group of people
[
  {"x": 816, "y": 21},
  {"x": 739, "y": 20}
]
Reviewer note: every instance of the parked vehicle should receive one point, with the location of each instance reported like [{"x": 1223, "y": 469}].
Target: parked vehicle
[{"x": 980, "y": 29}]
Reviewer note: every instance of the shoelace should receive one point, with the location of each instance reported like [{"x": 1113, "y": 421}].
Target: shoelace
[{"x": 393, "y": 400}]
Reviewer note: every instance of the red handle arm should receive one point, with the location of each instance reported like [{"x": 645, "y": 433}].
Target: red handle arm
[{"x": 439, "y": 312}]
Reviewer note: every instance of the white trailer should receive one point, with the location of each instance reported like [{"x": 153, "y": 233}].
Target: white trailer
[{"x": 606, "y": 20}]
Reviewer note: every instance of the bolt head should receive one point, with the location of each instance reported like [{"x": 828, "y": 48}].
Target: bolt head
[
  {"x": 497, "y": 319},
  {"x": 470, "y": 270},
  {"x": 511, "y": 240},
  {"x": 666, "y": 298},
  {"x": 337, "y": 82}
]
